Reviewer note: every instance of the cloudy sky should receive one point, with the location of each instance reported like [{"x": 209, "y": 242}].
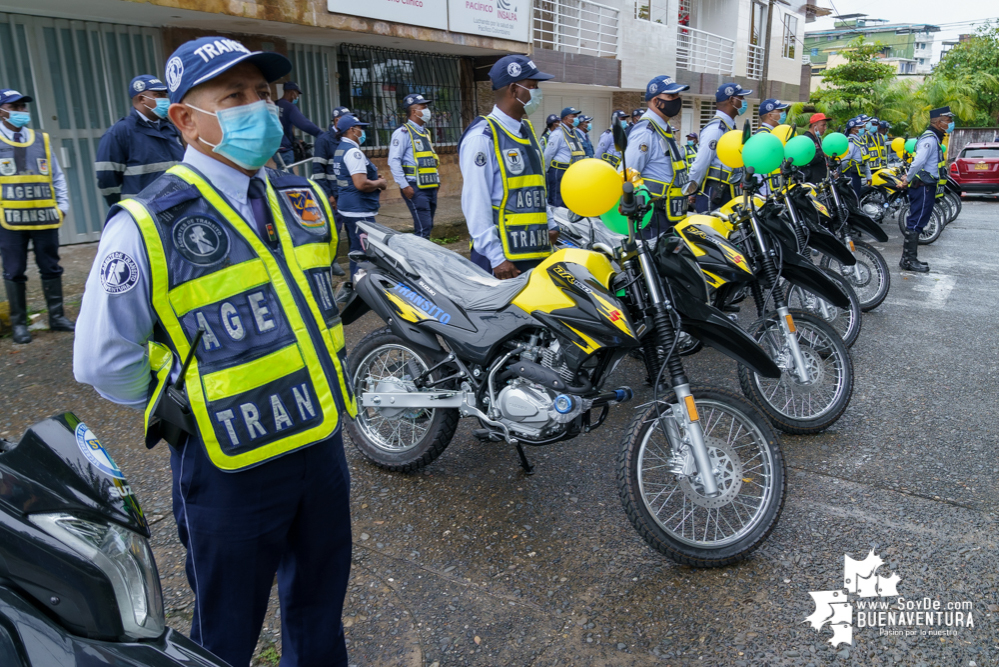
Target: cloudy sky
[{"x": 954, "y": 18}]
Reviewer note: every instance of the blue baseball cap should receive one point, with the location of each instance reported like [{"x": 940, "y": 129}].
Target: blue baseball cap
[
  {"x": 203, "y": 59},
  {"x": 552, "y": 118},
  {"x": 347, "y": 121},
  {"x": 857, "y": 121},
  {"x": 772, "y": 105},
  {"x": 663, "y": 84},
  {"x": 9, "y": 96},
  {"x": 339, "y": 111},
  {"x": 727, "y": 90},
  {"x": 692, "y": 135},
  {"x": 415, "y": 98},
  {"x": 510, "y": 69},
  {"x": 569, "y": 111},
  {"x": 942, "y": 111},
  {"x": 884, "y": 124},
  {"x": 143, "y": 83},
  {"x": 290, "y": 85},
  {"x": 637, "y": 112}
]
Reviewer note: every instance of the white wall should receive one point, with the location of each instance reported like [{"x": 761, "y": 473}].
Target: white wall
[
  {"x": 591, "y": 100},
  {"x": 646, "y": 50}
]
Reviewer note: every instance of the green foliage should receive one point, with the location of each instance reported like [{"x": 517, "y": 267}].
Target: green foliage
[
  {"x": 971, "y": 71},
  {"x": 851, "y": 88}
]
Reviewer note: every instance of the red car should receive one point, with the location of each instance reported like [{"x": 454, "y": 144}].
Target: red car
[{"x": 976, "y": 169}]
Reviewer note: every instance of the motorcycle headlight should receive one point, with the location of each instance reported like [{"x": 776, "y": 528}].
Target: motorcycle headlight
[{"x": 125, "y": 559}]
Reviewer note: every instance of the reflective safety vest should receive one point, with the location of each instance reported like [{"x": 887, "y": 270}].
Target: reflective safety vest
[
  {"x": 882, "y": 150},
  {"x": 722, "y": 175},
  {"x": 613, "y": 158},
  {"x": 856, "y": 166},
  {"x": 425, "y": 172},
  {"x": 924, "y": 175},
  {"x": 522, "y": 214},
  {"x": 674, "y": 202},
  {"x": 576, "y": 150},
  {"x": 270, "y": 374},
  {"x": 689, "y": 154},
  {"x": 27, "y": 198}
]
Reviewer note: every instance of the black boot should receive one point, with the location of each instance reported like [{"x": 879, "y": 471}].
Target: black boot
[
  {"x": 52, "y": 287},
  {"x": 337, "y": 270},
  {"x": 910, "y": 261},
  {"x": 18, "y": 310}
]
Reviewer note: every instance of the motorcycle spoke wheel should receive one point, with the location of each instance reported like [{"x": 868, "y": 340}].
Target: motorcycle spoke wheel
[
  {"x": 933, "y": 229},
  {"x": 791, "y": 405},
  {"x": 870, "y": 278},
  {"x": 668, "y": 508},
  {"x": 846, "y": 321}
]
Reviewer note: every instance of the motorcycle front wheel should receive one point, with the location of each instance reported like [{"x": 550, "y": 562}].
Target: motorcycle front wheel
[
  {"x": 846, "y": 321},
  {"x": 669, "y": 510},
  {"x": 396, "y": 439},
  {"x": 870, "y": 278},
  {"x": 793, "y": 406}
]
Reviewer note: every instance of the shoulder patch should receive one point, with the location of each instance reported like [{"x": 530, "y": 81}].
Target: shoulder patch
[
  {"x": 201, "y": 240},
  {"x": 480, "y": 159},
  {"x": 713, "y": 145},
  {"x": 395, "y": 142},
  {"x": 644, "y": 148},
  {"x": 306, "y": 211},
  {"x": 119, "y": 273}
]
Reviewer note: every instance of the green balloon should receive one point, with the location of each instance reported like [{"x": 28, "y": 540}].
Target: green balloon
[
  {"x": 763, "y": 152},
  {"x": 619, "y": 223},
  {"x": 910, "y": 145},
  {"x": 835, "y": 144},
  {"x": 800, "y": 150}
]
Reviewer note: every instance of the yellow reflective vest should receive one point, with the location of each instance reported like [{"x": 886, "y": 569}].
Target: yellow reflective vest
[
  {"x": 425, "y": 172},
  {"x": 27, "y": 196}
]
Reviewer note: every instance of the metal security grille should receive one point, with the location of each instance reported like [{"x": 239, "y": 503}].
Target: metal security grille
[
  {"x": 314, "y": 70},
  {"x": 78, "y": 74},
  {"x": 374, "y": 81}
]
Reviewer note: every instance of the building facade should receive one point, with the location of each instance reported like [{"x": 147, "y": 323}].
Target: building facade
[
  {"x": 76, "y": 59},
  {"x": 909, "y": 46}
]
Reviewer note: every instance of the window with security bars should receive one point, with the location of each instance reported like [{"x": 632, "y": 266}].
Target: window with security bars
[{"x": 374, "y": 81}]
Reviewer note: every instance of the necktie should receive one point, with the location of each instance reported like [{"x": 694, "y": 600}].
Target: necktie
[
  {"x": 261, "y": 210},
  {"x": 20, "y": 154}
]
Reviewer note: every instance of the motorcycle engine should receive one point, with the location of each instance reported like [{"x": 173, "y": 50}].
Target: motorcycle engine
[{"x": 530, "y": 409}]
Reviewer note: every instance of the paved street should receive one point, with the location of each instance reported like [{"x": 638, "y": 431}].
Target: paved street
[{"x": 469, "y": 562}]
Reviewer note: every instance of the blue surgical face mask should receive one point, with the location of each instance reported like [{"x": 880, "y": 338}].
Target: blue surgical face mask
[
  {"x": 690, "y": 142},
  {"x": 624, "y": 124},
  {"x": 160, "y": 106},
  {"x": 783, "y": 118},
  {"x": 861, "y": 132},
  {"x": 741, "y": 110},
  {"x": 533, "y": 104},
  {"x": 18, "y": 118},
  {"x": 295, "y": 101},
  {"x": 251, "y": 133},
  {"x": 360, "y": 139},
  {"x": 575, "y": 121},
  {"x": 950, "y": 127}
]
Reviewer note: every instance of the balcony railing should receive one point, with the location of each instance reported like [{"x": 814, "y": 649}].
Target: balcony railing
[
  {"x": 576, "y": 26},
  {"x": 754, "y": 62},
  {"x": 699, "y": 51}
]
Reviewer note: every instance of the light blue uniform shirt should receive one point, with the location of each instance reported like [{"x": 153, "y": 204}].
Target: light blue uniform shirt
[
  {"x": 647, "y": 151},
  {"x": 605, "y": 144},
  {"x": 58, "y": 177},
  {"x": 401, "y": 154},
  {"x": 926, "y": 158},
  {"x": 557, "y": 148},
  {"x": 482, "y": 186},
  {"x": 111, "y": 355},
  {"x": 856, "y": 154},
  {"x": 707, "y": 154}
]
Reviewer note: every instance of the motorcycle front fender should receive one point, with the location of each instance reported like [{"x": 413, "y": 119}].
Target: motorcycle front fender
[
  {"x": 829, "y": 245},
  {"x": 863, "y": 223},
  {"x": 800, "y": 271},
  {"x": 710, "y": 326}
]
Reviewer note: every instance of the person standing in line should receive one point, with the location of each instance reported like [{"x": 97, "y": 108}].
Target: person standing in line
[
  {"x": 358, "y": 184},
  {"x": 922, "y": 178},
  {"x": 550, "y": 124},
  {"x": 322, "y": 171},
  {"x": 413, "y": 164},
  {"x": 606, "y": 149},
  {"x": 817, "y": 170},
  {"x": 292, "y": 117},
  {"x": 715, "y": 182},
  {"x": 564, "y": 148}
]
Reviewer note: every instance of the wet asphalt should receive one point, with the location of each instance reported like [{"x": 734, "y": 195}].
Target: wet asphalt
[{"x": 470, "y": 562}]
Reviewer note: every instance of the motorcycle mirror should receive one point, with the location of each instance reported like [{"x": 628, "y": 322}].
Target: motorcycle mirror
[
  {"x": 747, "y": 132},
  {"x": 620, "y": 138}
]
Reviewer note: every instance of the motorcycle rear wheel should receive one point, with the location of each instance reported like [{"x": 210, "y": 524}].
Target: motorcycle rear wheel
[
  {"x": 955, "y": 202},
  {"x": 874, "y": 281},
  {"x": 931, "y": 232},
  {"x": 668, "y": 510},
  {"x": 392, "y": 438},
  {"x": 790, "y": 405},
  {"x": 846, "y": 321}
]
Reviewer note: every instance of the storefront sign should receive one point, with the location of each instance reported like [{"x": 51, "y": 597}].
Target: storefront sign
[
  {"x": 501, "y": 19},
  {"x": 425, "y": 13}
]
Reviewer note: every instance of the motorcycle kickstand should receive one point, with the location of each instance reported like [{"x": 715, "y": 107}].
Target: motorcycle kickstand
[{"x": 524, "y": 463}]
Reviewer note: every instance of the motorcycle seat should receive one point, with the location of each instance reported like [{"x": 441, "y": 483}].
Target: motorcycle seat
[{"x": 460, "y": 279}]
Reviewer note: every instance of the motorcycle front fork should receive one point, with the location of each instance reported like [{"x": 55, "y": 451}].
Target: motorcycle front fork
[{"x": 853, "y": 249}]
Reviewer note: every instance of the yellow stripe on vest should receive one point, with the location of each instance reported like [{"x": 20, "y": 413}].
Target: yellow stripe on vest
[
  {"x": 218, "y": 286},
  {"x": 253, "y": 374}
]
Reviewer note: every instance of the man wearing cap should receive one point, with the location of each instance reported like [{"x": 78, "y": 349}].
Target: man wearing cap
[
  {"x": 413, "y": 164},
  {"x": 357, "y": 181},
  {"x": 322, "y": 170},
  {"x": 551, "y": 123},
  {"x": 635, "y": 116},
  {"x": 856, "y": 164},
  {"x": 606, "y": 150},
  {"x": 716, "y": 182},
  {"x": 140, "y": 146},
  {"x": 654, "y": 153},
  {"x": 816, "y": 170},
  {"x": 230, "y": 260},
  {"x": 33, "y": 201},
  {"x": 885, "y": 141},
  {"x": 291, "y": 118},
  {"x": 564, "y": 147},
  {"x": 503, "y": 194},
  {"x": 585, "y": 125},
  {"x": 690, "y": 149},
  {"x": 772, "y": 113},
  {"x": 922, "y": 177},
  {"x": 871, "y": 142}
]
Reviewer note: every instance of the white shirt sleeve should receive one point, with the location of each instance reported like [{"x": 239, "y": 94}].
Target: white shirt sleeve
[
  {"x": 476, "y": 195},
  {"x": 116, "y": 318},
  {"x": 634, "y": 156},
  {"x": 555, "y": 141},
  {"x": 705, "y": 152},
  {"x": 59, "y": 183},
  {"x": 355, "y": 161},
  {"x": 397, "y": 151}
]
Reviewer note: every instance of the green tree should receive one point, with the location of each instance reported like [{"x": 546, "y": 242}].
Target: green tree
[
  {"x": 970, "y": 72},
  {"x": 855, "y": 86}
]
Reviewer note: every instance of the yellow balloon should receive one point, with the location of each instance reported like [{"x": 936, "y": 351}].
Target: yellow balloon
[
  {"x": 729, "y": 149},
  {"x": 898, "y": 145},
  {"x": 591, "y": 187},
  {"x": 782, "y": 132}
]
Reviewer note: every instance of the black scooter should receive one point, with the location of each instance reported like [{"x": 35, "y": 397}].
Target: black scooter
[{"x": 78, "y": 583}]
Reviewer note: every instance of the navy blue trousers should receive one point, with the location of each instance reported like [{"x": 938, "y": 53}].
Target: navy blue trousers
[
  {"x": 423, "y": 207},
  {"x": 921, "y": 202},
  {"x": 290, "y": 517},
  {"x": 858, "y": 184},
  {"x": 553, "y": 180},
  {"x": 350, "y": 225},
  {"x": 14, "y": 253}
]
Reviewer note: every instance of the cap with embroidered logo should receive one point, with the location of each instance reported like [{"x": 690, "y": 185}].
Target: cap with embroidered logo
[
  {"x": 339, "y": 111},
  {"x": 205, "y": 58},
  {"x": 728, "y": 90},
  {"x": 663, "y": 84},
  {"x": 513, "y": 68},
  {"x": 552, "y": 118},
  {"x": 348, "y": 121},
  {"x": 415, "y": 98},
  {"x": 9, "y": 96},
  {"x": 772, "y": 105},
  {"x": 569, "y": 111},
  {"x": 942, "y": 111},
  {"x": 144, "y": 83}
]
